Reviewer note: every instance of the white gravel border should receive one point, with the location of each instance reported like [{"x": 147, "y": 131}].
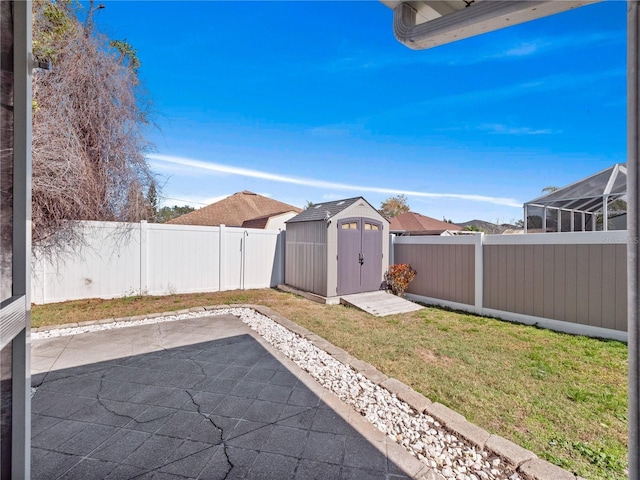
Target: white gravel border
[{"x": 420, "y": 434}]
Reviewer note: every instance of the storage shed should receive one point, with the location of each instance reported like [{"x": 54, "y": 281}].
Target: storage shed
[{"x": 337, "y": 248}]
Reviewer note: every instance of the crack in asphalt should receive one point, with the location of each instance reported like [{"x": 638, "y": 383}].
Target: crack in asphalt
[
  {"x": 175, "y": 461},
  {"x": 124, "y": 415},
  {"x": 159, "y": 338},
  {"x": 105, "y": 404},
  {"x": 72, "y": 375},
  {"x": 220, "y": 429}
]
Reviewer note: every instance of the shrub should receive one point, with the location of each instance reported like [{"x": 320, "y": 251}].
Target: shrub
[{"x": 398, "y": 278}]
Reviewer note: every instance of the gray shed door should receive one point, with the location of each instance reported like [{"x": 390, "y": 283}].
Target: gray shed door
[{"x": 359, "y": 255}]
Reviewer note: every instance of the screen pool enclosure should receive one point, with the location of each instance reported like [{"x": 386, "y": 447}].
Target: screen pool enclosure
[{"x": 595, "y": 203}]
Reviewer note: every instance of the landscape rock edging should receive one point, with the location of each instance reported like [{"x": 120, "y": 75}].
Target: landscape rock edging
[{"x": 526, "y": 462}]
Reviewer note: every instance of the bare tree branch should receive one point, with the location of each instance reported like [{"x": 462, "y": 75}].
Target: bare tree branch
[{"x": 88, "y": 119}]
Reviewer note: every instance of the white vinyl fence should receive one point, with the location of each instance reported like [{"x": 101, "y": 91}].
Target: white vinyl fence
[
  {"x": 121, "y": 259},
  {"x": 572, "y": 282}
]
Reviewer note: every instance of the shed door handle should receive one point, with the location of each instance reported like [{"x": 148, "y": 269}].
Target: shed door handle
[{"x": 361, "y": 258}]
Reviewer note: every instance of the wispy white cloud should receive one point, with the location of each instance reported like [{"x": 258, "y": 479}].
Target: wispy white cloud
[
  {"x": 182, "y": 200},
  {"x": 500, "y": 129},
  {"x": 544, "y": 84},
  {"x": 489, "y": 51},
  {"x": 438, "y": 103},
  {"x": 542, "y": 45},
  {"x": 167, "y": 170},
  {"x": 245, "y": 172},
  {"x": 522, "y": 50}
]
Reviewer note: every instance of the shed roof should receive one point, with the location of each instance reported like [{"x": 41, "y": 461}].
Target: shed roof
[
  {"x": 233, "y": 210},
  {"x": 587, "y": 195},
  {"x": 324, "y": 211},
  {"x": 416, "y": 224}
]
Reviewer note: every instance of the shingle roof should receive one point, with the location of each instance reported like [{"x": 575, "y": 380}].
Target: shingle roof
[
  {"x": 415, "y": 223},
  {"x": 234, "y": 210},
  {"x": 323, "y": 211},
  {"x": 261, "y": 222}
]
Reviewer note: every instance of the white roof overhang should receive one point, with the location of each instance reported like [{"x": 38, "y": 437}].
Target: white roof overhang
[{"x": 428, "y": 23}]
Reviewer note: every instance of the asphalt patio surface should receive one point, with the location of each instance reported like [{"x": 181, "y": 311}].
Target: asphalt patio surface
[{"x": 205, "y": 398}]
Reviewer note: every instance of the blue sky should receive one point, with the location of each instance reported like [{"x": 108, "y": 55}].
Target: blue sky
[{"x": 318, "y": 101}]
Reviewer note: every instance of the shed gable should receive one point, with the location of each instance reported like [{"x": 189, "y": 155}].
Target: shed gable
[{"x": 336, "y": 209}]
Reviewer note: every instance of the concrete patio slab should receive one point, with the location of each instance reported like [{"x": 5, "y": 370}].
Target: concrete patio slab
[{"x": 204, "y": 398}]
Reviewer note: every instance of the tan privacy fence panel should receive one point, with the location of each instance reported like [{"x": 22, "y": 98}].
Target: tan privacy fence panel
[
  {"x": 572, "y": 282},
  {"x": 446, "y": 272}
]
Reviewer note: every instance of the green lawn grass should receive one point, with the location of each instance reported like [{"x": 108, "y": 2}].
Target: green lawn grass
[{"x": 564, "y": 397}]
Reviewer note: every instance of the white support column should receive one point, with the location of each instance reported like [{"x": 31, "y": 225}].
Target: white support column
[
  {"x": 633, "y": 246},
  {"x": 280, "y": 255},
  {"x": 479, "y": 272},
  {"x": 243, "y": 257},
  {"x": 573, "y": 215},
  {"x": 144, "y": 257},
  {"x": 21, "y": 276},
  {"x": 221, "y": 257},
  {"x": 392, "y": 249}
]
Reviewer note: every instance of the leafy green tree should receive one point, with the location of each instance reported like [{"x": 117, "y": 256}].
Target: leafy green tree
[
  {"x": 128, "y": 54},
  {"x": 309, "y": 204},
  {"x": 152, "y": 202},
  {"x": 394, "y": 206},
  {"x": 618, "y": 205},
  {"x": 168, "y": 213}
]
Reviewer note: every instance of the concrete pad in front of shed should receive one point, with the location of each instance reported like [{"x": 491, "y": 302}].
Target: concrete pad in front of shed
[{"x": 380, "y": 304}]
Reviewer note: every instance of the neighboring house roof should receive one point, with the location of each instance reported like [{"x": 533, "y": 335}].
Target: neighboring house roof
[
  {"x": 412, "y": 223},
  {"x": 263, "y": 221},
  {"x": 488, "y": 227},
  {"x": 324, "y": 211},
  {"x": 234, "y": 210}
]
